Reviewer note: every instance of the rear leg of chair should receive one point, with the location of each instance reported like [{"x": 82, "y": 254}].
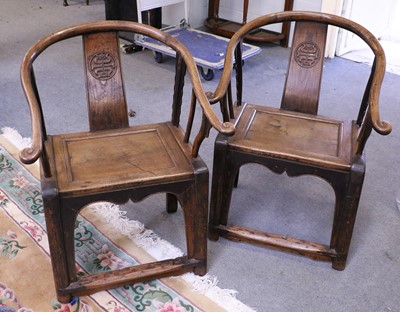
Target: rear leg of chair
[
  {"x": 172, "y": 203},
  {"x": 56, "y": 241},
  {"x": 346, "y": 216}
]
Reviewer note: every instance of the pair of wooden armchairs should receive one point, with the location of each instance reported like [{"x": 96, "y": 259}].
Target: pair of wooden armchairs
[{"x": 116, "y": 162}]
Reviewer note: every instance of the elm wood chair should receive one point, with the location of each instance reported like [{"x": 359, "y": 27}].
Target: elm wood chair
[
  {"x": 294, "y": 138},
  {"x": 116, "y": 162}
]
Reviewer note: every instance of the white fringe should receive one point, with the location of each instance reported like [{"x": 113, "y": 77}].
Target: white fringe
[
  {"x": 13, "y": 136},
  {"x": 158, "y": 248}
]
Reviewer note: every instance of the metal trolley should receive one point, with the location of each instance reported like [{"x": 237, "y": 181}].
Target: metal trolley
[{"x": 208, "y": 50}]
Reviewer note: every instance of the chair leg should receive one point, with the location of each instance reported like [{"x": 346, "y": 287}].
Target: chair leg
[
  {"x": 195, "y": 207},
  {"x": 69, "y": 219},
  {"x": 235, "y": 184},
  {"x": 346, "y": 216},
  {"x": 172, "y": 203},
  {"x": 65, "y": 3},
  {"x": 340, "y": 188},
  {"x": 217, "y": 188},
  {"x": 221, "y": 191},
  {"x": 56, "y": 241},
  {"x": 230, "y": 179}
]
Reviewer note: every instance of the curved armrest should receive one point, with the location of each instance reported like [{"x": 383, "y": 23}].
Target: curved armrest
[
  {"x": 381, "y": 126},
  {"x": 371, "y": 97},
  {"x": 226, "y": 128},
  {"x": 31, "y": 154},
  {"x": 372, "y": 121}
]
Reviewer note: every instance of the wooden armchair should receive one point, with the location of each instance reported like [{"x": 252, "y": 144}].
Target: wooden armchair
[
  {"x": 294, "y": 138},
  {"x": 116, "y": 162}
]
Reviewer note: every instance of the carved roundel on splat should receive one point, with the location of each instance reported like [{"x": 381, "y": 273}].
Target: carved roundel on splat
[
  {"x": 102, "y": 65},
  {"x": 307, "y": 54}
]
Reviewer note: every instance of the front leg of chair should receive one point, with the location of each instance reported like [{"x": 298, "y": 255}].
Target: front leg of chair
[
  {"x": 340, "y": 185},
  {"x": 69, "y": 220},
  {"x": 217, "y": 188},
  {"x": 230, "y": 179},
  {"x": 52, "y": 212},
  {"x": 347, "y": 215},
  {"x": 195, "y": 206}
]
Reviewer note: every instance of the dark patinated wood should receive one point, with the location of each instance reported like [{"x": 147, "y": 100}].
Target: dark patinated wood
[
  {"x": 303, "y": 79},
  {"x": 294, "y": 138},
  {"x": 281, "y": 242},
  {"x": 121, "y": 277},
  {"x": 106, "y": 94},
  {"x": 115, "y": 162},
  {"x": 227, "y": 28}
]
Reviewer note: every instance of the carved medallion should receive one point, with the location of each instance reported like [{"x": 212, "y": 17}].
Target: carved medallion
[
  {"x": 102, "y": 65},
  {"x": 307, "y": 54}
]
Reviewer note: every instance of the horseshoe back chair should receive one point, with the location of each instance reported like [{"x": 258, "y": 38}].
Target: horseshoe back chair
[
  {"x": 294, "y": 138},
  {"x": 116, "y": 162}
]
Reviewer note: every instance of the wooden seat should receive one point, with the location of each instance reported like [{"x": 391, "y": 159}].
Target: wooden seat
[
  {"x": 116, "y": 162},
  {"x": 294, "y": 138},
  {"x": 86, "y": 158}
]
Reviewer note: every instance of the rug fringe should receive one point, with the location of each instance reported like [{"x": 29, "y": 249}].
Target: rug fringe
[
  {"x": 158, "y": 248},
  {"x": 13, "y": 136}
]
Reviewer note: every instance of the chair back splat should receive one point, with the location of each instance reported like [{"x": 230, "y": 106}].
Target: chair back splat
[
  {"x": 292, "y": 137},
  {"x": 105, "y": 89},
  {"x": 116, "y": 162},
  {"x": 303, "y": 80}
]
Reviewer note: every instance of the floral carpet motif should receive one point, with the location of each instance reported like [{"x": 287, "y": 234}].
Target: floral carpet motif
[{"x": 23, "y": 239}]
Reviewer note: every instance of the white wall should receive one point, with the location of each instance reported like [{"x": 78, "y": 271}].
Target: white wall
[
  {"x": 233, "y": 9},
  {"x": 198, "y": 10}
]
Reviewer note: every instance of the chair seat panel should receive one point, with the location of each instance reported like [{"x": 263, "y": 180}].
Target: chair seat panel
[
  {"x": 307, "y": 138},
  {"x": 92, "y": 161}
]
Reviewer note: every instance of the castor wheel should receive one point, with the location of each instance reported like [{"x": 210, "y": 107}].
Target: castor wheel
[
  {"x": 158, "y": 57},
  {"x": 207, "y": 74},
  {"x": 131, "y": 48}
]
